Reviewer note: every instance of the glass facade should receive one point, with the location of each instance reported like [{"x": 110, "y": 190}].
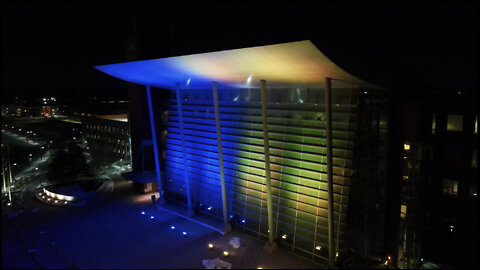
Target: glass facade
[{"x": 298, "y": 164}]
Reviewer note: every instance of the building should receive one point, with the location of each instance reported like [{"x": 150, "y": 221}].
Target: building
[
  {"x": 439, "y": 181},
  {"x": 107, "y": 137},
  {"x": 276, "y": 141}
]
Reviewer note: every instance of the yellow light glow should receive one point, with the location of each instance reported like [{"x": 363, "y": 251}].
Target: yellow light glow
[
  {"x": 406, "y": 147},
  {"x": 284, "y": 236},
  {"x": 210, "y": 245},
  {"x": 225, "y": 253},
  {"x": 318, "y": 247}
]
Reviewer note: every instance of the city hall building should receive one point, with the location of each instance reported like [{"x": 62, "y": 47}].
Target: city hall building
[{"x": 276, "y": 141}]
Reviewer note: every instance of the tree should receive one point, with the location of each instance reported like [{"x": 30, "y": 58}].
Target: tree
[{"x": 67, "y": 164}]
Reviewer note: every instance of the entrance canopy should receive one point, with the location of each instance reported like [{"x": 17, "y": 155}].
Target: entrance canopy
[{"x": 294, "y": 63}]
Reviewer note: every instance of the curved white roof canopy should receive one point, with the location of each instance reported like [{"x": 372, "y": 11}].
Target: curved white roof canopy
[{"x": 281, "y": 65}]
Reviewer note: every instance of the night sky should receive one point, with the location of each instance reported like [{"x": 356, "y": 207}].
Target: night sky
[{"x": 50, "y": 48}]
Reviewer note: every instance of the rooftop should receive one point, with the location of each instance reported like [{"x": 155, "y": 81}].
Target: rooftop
[{"x": 287, "y": 64}]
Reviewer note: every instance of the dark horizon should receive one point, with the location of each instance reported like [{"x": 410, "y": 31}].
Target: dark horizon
[{"x": 51, "y": 48}]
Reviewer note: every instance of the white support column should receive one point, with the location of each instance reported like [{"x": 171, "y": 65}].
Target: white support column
[
  {"x": 190, "y": 211},
  {"x": 271, "y": 246},
  {"x": 4, "y": 190},
  {"x": 228, "y": 227},
  {"x": 10, "y": 176},
  {"x": 328, "y": 113},
  {"x": 161, "y": 200}
]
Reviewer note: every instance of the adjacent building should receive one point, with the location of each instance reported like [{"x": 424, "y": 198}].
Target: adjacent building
[{"x": 439, "y": 180}]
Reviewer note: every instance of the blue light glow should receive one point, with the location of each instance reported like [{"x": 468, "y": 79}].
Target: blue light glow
[
  {"x": 243, "y": 220},
  {"x": 172, "y": 227},
  {"x": 143, "y": 212},
  {"x": 152, "y": 217},
  {"x": 209, "y": 208},
  {"x": 184, "y": 233}
]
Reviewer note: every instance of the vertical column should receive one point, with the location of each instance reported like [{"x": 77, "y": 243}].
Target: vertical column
[
  {"x": 190, "y": 212},
  {"x": 4, "y": 183},
  {"x": 155, "y": 147},
  {"x": 10, "y": 175},
  {"x": 271, "y": 245},
  {"x": 328, "y": 113},
  {"x": 228, "y": 227}
]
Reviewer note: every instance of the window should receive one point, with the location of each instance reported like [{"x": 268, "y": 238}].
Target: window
[
  {"x": 476, "y": 119},
  {"x": 406, "y": 147},
  {"x": 403, "y": 211},
  {"x": 434, "y": 123},
  {"x": 455, "y": 122},
  {"x": 450, "y": 187}
]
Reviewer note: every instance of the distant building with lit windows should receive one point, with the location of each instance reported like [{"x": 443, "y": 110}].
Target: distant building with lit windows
[
  {"x": 107, "y": 137},
  {"x": 276, "y": 141}
]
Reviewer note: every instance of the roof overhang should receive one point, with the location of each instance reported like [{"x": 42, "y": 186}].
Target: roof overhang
[{"x": 281, "y": 65}]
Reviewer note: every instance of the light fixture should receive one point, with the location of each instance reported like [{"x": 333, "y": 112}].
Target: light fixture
[
  {"x": 184, "y": 233},
  {"x": 225, "y": 253},
  {"x": 318, "y": 247},
  {"x": 172, "y": 227},
  {"x": 152, "y": 217},
  {"x": 209, "y": 208},
  {"x": 143, "y": 212},
  {"x": 259, "y": 267},
  {"x": 210, "y": 246},
  {"x": 284, "y": 236},
  {"x": 243, "y": 220}
]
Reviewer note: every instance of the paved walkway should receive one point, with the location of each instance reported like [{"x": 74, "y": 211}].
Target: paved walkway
[{"x": 112, "y": 233}]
